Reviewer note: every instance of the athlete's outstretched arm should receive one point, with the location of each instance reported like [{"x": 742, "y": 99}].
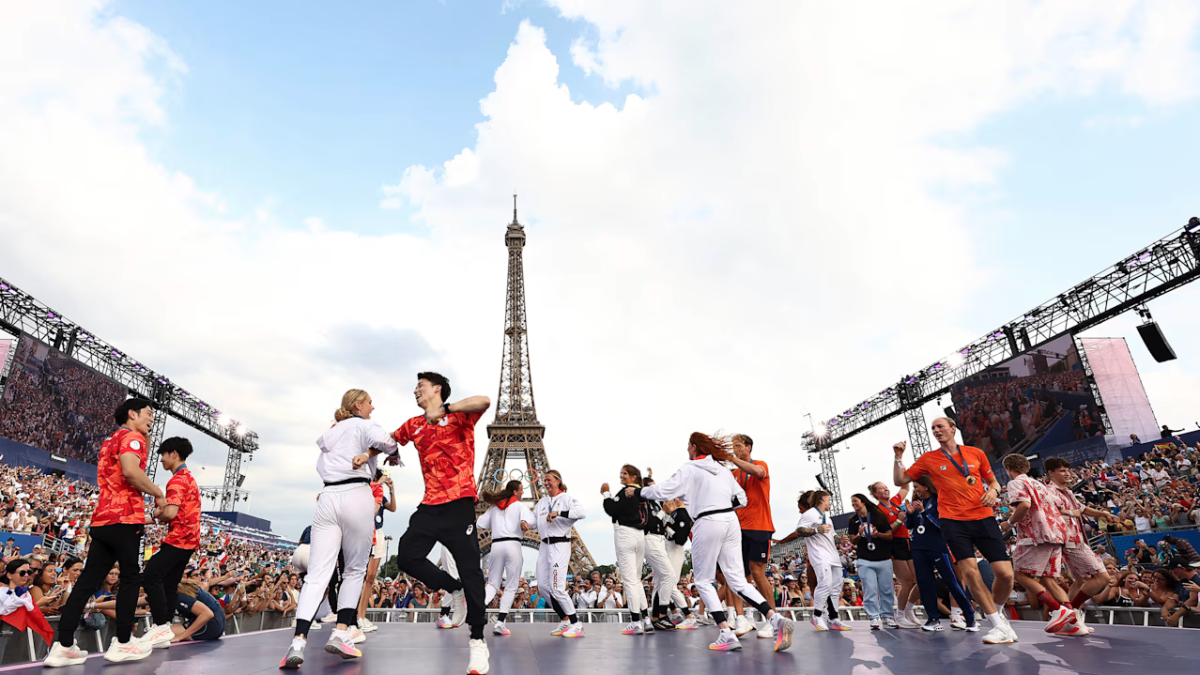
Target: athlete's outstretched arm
[
  {"x": 899, "y": 477},
  {"x": 661, "y": 492},
  {"x": 471, "y": 404}
]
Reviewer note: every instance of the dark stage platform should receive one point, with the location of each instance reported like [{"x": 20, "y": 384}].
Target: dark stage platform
[{"x": 531, "y": 650}]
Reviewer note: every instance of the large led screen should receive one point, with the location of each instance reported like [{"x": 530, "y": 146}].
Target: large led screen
[{"x": 56, "y": 403}]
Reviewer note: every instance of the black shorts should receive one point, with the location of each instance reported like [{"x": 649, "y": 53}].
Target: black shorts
[
  {"x": 901, "y": 549},
  {"x": 756, "y": 547},
  {"x": 964, "y": 536}
]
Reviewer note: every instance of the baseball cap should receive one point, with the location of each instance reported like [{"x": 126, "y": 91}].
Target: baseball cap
[{"x": 1179, "y": 563}]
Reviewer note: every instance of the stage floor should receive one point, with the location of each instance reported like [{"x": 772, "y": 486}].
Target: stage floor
[{"x": 530, "y": 650}]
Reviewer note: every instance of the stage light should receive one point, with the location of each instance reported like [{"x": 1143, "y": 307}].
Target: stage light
[
  {"x": 1193, "y": 224},
  {"x": 241, "y": 430},
  {"x": 821, "y": 431},
  {"x": 955, "y": 360},
  {"x": 222, "y": 420}
]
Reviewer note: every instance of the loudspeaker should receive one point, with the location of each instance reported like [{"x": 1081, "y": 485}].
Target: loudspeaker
[{"x": 1156, "y": 342}]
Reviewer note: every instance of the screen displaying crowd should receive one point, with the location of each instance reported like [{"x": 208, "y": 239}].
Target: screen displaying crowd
[
  {"x": 54, "y": 403},
  {"x": 1013, "y": 410}
]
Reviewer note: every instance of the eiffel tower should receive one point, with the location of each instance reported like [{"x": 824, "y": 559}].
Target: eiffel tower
[{"x": 516, "y": 435}]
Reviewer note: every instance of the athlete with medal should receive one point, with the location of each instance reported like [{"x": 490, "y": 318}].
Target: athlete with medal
[
  {"x": 930, "y": 554},
  {"x": 871, "y": 533},
  {"x": 967, "y": 490}
]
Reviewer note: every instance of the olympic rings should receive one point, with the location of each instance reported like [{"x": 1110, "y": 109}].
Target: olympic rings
[{"x": 529, "y": 477}]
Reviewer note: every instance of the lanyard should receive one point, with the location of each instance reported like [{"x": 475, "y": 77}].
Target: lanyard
[
  {"x": 964, "y": 469},
  {"x": 866, "y": 528},
  {"x": 928, "y": 506},
  {"x": 822, "y": 517}
]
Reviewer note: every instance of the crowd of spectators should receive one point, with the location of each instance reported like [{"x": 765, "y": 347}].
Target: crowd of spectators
[{"x": 57, "y": 405}]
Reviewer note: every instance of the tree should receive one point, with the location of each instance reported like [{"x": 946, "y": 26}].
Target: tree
[{"x": 687, "y": 563}]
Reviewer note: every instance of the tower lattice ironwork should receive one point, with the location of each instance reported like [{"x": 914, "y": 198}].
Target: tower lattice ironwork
[{"x": 515, "y": 436}]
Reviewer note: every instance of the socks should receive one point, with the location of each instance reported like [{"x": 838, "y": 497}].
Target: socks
[
  {"x": 996, "y": 619},
  {"x": 1048, "y": 600},
  {"x": 910, "y": 608},
  {"x": 1079, "y": 599},
  {"x": 503, "y": 617},
  {"x": 343, "y": 634},
  {"x": 572, "y": 619},
  {"x": 719, "y": 617}
]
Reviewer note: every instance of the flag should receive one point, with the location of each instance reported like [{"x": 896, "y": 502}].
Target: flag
[{"x": 22, "y": 618}]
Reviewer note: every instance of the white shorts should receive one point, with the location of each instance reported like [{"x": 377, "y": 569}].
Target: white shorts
[{"x": 380, "y": 548}]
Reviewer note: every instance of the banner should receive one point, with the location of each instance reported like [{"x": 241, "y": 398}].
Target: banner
[{"x": 1120, "y": 385}]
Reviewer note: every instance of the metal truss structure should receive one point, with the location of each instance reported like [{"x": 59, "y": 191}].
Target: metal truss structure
[
  {"x": 1149, "y": 273},
  {"x": 21, "y": 314},
  {"x": 516, "y": 434}
]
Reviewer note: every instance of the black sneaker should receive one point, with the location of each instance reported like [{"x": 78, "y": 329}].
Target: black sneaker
[{"x": 663, "y": 624}]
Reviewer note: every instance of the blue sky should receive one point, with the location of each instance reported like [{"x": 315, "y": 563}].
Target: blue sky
[{"x": 736, "y": 214}]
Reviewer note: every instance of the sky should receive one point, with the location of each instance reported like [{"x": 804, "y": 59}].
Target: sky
[{"x": 737, "y": 214}]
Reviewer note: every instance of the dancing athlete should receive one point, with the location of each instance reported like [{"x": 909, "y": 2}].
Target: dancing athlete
[
  {"x": 816, "y": 527},
  {"x": 445, "y": 440},
  {"x": 553, "y": 518},
  {"x": 667, "y": 531},
  {"x": 117, "y": 529},
  {"x": 378, "y": 544},
  {"x": 872, "y": 534},
  {"x": 757, "y": 530},
  {"x": 181, "y": 510},
  {"x": 342, "y": 523},
  {"x": 930, "y": 554},
  {"x": 1085, "y": 565},
  {"x": 1041, "y": 538},
  {"x": 712, "y": 491},
  {"x": 446, "y": 618},
  {"x": 967, "y": 490},
  {"x": 508, "y": 519},
  {"x": 629, "y": 516},
  {"x": 804, "y": 505},
  {"x": 901, "y": 548}
]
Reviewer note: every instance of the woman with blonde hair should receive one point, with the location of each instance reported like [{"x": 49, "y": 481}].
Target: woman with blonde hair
[
  {"x": 344, "y": 521},
  {"x": 508, "y": 519},
  {"x": 203, "y": 618},
  {"x": 554, "y": 517},
  {"x": 712, "y": 492}
]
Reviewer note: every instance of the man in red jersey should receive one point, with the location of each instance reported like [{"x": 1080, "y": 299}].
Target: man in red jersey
[
  {"x": 445, "y": 440},
  {"x": 181, "y": 510},
  {"x": 118, "y": 523},
  {"x": 967, "y": 491}
]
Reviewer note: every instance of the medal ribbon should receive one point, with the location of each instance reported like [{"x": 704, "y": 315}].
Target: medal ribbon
[
  {"x": 964, "y": 470},
  {"x": 929, "y": 504}
]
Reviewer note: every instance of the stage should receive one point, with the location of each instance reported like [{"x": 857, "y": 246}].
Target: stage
[{"x": 531, "y": 650}]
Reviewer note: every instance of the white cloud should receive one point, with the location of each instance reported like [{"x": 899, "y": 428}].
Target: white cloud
[{"x": 711, "y": 254}]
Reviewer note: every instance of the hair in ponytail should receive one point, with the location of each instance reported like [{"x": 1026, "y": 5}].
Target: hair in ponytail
[
  {"x": 716, "y": 446},
  {"x": 497, "y": 496},
  {"x": 561, "y": 485},
  {"x": 633, "y": 471},
  {"x": 351, "y": 398}
]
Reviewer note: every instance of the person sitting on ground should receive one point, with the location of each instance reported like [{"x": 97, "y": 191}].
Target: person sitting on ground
[{"x": 203, "y": 618}]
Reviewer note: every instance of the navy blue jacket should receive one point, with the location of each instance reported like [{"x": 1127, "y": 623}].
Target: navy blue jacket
[{"x": 931, "y": 539}]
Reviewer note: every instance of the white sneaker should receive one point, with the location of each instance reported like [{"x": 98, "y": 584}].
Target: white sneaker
[
  {"x": 294, "y": 658},
  {"x": 676, "y": 618},
  {"x": 634, "y": 628},
  {"x": 687, "y": 624},
  {"x": 316, "y": 625},
  {"x": 445, "y": 621},
  {"x": 367, "y": 626},
  {"x": 356, "y": 635},
  {"x": 61, "y": 656},
  {"x": 819, "y": 623},
  {"x": 727, "y": 641},
  {"x": 783, "y": 628},
  {"x": 575, "y": 631},
  {"x": 478, "y": 665},
  {"x": 1079, "y": 616},
  {"x": 705, "y": 620},
  {"x": 1059, "y": 619},
  {"x": 876, "y": 622},
  {"x": 332, "y": 618},
  {"x": 903, "y": 621},
  {"x": 958, "y": 622},
  {"x": 458, "y": 613},
  {"x": 563, "y": 626},
  {"x": 911, "y": 615},
  {"x": 742, "y": 625},
  {"x": 342, "y": 646},
  {"x": 134, "y": 650},
  {"x": 890, "y": 622},
  {"x": 499, "y": 628},
  {"x": 767, "y": 632},
  {"x": 1000, "y": 635},
  {"x": 159, "y": 637}
]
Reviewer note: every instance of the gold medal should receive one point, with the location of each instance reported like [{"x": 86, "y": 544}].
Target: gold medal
[{"x": 971, "y": 480}]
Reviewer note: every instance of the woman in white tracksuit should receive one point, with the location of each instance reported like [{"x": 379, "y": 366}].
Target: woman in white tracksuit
[
  {"x": 553, "y": 518},
  {"x": 816, "y": 525},
  {"x": 508, "y": 519},
  {"x": 629, "y": 518},
  {"x": 344, "y": 521},
  {"x": 711, "y": 491}
]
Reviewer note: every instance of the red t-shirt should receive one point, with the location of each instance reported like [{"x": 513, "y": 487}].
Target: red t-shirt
[
  {"x": 756, "y": 514},
  {"x": 447, "y": 453},
  {"x": 957, "y": 499},
  {"x": 119, "y": 502},
  {"x": 182, "y": 491},
  {"x": 894, "y": 510}
]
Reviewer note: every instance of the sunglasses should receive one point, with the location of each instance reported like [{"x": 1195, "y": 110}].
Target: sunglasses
[{"x": 22, "y": 573}]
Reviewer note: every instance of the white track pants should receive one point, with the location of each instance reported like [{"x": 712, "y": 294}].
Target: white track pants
[
  {"x": 552, "y": 563},
  {"x": 718, "y": 540},
  {"x": 666, "y": 575},
  {"x": 344, "y": 521},
  {"x": 631, "y": 555},
  {"x": 504, "y": 563},
  {"x": 829, "y": 585},
  {"x": 676, "y": 554},
  {"x": 446, "y": 562}
]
